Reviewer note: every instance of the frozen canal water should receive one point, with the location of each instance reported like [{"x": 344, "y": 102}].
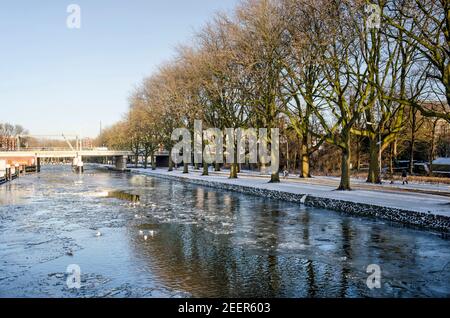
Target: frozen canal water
[{"x": 183, "y": 240}]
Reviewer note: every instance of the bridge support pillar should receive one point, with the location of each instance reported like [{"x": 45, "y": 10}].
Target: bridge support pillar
[
  {"x": 121, "y": 162},
  {"x": 78, "y": 164},
  {"x": 15, "y": 172},
  {"x": 8, "y": 173}
]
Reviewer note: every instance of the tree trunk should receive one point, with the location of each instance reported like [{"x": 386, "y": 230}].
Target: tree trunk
[
  {"x": 294, "y": 165},
  {"x": 305, "y": 166},
  {"x": 274, "y": 178},
  {"x": 391, "y": 160},
  {"x": 432, "y": 148},
  {"x": 145, "y": 160},
  {"x": 170, "y": 161},
  {"x": 446, "y": 72},
  {"x": 345, "y": 167},
  {"x": 430, "y": 166},
  {"x": 217, "y": 166},
  {"x": 412, "y": 141},
  {"x": 358, "y": 153},
  {"x": 234, "y": 167},
  {"x": 205, "y": 169},
  {"x": 153, "y": 161},
  {"x": 304, "y": 169},
  {"x": 185, "y": 168},
  {"x": 394, "y": 153},
  {"x": 374, "y": 168},
  {"x": 234, "y": 171},
  {"x": 411, "y": 153}
]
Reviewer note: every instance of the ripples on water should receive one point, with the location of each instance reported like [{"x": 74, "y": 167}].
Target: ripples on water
[{"x": 182, "y": 240}]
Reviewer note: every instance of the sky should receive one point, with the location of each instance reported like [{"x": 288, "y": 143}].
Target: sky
[{"x": 54, "y": 79}]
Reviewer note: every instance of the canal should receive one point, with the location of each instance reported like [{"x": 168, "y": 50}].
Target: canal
[{"x": 138, "y": 236}]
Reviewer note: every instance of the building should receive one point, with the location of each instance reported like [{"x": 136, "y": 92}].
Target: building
[
  {"x": 8, "y": 143},
  {"x": 87, "y": 143}
]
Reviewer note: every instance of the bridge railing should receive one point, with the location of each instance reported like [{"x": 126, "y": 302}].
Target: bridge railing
[{"x": 28, "y": 149}]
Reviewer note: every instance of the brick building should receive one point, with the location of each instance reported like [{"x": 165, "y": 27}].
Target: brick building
[
  {"x": 8, "y": 143},
  {"x": 87, "y": 143}
]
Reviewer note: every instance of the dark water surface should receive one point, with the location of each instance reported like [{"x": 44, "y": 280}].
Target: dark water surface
[{"x": 181, "y": 240}]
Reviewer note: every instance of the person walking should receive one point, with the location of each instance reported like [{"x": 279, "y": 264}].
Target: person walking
[{"x": 404, "y": 177}]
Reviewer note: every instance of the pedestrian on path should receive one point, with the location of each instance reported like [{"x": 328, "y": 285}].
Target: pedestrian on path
[{"x": 404, "y": 177}]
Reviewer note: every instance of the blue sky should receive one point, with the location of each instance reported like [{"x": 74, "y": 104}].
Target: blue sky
[{"x": 57, "y": 80}]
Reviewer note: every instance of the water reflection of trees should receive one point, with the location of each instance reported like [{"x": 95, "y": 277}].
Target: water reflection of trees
[{"x": 189, "y": 258}]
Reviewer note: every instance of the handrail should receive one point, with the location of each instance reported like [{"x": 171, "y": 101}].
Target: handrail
[{"x": 48, "y": 149}]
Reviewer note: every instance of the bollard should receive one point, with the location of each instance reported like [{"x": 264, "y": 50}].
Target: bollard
[
  {"x": 8, "y": 172},
  {"x": 78, "y": 163},
  {"x": 17, "y": 170}
]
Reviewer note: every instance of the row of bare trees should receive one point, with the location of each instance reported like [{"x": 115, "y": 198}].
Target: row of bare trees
[{"x": 328, "y": 71}]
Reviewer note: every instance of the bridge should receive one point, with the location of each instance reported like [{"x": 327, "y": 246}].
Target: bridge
[{"x": 120, "y": 157}]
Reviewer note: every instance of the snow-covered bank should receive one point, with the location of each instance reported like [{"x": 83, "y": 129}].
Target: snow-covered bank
[{"x": 421, "y": 210}]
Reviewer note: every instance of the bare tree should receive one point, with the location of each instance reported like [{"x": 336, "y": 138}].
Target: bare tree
[{"x": 431, "y": 38}]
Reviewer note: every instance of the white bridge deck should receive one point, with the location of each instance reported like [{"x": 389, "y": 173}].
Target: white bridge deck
[{"x": 64, "y": 153}]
